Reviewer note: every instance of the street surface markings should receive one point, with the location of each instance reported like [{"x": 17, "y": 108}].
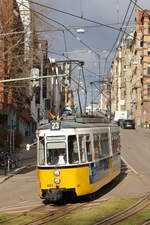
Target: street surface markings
[{"x": 129, "y": 166}]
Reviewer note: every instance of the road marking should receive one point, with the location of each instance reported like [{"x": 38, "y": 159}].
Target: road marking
[{"x": 129, "y": 166}]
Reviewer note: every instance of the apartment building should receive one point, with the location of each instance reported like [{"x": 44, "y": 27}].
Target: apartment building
[
  {"x": 116, "y": 82},
  {"x": 131, "y": 73},
  {"x": 145, "y": 61}
]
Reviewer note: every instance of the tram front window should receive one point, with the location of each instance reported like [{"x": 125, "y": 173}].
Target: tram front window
[{"x": 56, "y": 153}]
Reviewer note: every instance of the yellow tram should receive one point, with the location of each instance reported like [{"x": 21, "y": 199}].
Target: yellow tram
[{"x": 76, "y": 158}]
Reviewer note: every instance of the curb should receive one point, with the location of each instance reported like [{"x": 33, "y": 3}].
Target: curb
[{"x": 15, "y": 172}]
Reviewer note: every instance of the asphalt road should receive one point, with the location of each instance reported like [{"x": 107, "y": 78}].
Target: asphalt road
[
  {"x": 136, "y": 154},
  {"x": 22, "y": 190},
  {"x": 136, "y": 149}
]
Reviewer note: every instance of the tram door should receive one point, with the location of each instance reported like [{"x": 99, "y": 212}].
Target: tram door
[{"x": 102, "y": 154}]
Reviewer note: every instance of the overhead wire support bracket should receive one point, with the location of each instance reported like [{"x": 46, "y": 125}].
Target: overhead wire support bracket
[{"x": 32, "y": 78}]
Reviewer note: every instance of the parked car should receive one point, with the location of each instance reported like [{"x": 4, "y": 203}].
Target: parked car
[
  {"x": 128, "y": 124},
  {"x": 120, "y": 121},
  {"x": 67, "y": 112}
]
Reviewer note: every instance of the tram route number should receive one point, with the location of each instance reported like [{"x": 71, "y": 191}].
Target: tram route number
[{"x": 55, "y": 125}]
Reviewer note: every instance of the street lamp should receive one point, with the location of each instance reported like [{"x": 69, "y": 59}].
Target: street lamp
[{"x": 80, "y": 31}]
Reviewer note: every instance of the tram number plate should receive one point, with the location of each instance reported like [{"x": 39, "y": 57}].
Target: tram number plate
[
  {"x": 49, "y": 185},
  {"x": 55, "y": 125}
]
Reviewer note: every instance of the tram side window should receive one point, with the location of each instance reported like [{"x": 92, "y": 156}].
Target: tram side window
[
  {"x": 88, "y": 148},
  {"x": 105, "y": 144},
  {"x": 73, "y": 149},
  {"x": 97, "y": 147},
  {"x": 115, "y": 143},
  {"x": 82, "y": 146},
  {"x": 41, "y": 152}
]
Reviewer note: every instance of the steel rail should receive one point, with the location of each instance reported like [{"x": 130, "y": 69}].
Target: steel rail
[
  {"x": 55, "y": 215},
  {"x": 124, "y": 214}
]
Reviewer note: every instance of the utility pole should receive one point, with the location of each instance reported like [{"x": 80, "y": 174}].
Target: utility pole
[
  {"x": 99, "y": 67},
  {"x": 109, "y": 84},
  {"x": 91, "y": 83},
  {"x": 85, "y": 103},
  {"x": 109, "y": 88},
  {"x": 41, "y": 83}
]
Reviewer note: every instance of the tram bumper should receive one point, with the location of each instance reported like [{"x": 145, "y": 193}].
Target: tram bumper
[
  {"x": 54, "y": 195},
  {"x": 58, "y": 194}
]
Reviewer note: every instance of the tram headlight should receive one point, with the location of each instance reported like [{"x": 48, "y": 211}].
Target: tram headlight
[
  {"x": 56, "y": 172},
  {"x": 57, "y": 180}
]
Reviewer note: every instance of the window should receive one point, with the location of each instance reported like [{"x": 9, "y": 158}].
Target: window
[
  {"x": 104, "y": 144},
  {"x": 149, "y": 28},
  {"x": 97, "y": 146},
  {"x": 148, "y": 69},
  {"x": 56, "y": 153},
  {"x": 82, "y": 141},
  {"x": 73, "y": 149},
  {"x": 41, "y": 152},
  {"x": 141, "y": 43},
  {"x": 148, "y": 89},
  {"x": 88, "y": 148},
  {"x": 141, "y": 59},
  {"x": 148, "y": 50},
  {"x": 115, "y": 142}
]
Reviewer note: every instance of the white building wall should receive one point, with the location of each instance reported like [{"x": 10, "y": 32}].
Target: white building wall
[
  {"x": 25, "y": 13},
  {"x": 24, "y": 8}
]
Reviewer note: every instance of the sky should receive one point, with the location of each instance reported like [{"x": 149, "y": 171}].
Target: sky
[{"x": 95, "y": 44}]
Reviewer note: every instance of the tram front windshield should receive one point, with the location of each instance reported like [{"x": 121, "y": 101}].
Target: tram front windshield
[{"x": 56, "y": 153}]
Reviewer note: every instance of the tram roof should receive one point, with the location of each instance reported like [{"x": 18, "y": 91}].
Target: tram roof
[{"x": 80, "y": 123}]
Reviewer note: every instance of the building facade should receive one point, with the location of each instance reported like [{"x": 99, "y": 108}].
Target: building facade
[{"x": 131, "y": 73}]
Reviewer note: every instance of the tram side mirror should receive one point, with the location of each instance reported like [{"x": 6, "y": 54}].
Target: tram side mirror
[{"x": 27, "y": 147}]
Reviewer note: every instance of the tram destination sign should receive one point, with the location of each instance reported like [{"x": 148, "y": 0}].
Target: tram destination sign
[{"x": 55, "y": 125}]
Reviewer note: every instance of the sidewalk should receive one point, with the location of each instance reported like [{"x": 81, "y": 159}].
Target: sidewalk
[{"x": 25, "y": 158}]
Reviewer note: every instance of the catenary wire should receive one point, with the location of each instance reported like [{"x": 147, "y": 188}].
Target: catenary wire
[
  {"x": 69, "y": 30},
  {"x": 117, "y": 36},
  {"x": 65, "y": 27},
  {"x": 73, "y": 15},
  {"x": 123, "y": 32}
]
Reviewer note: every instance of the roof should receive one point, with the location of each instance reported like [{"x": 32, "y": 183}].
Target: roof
[{"x": 80, "y": 123}]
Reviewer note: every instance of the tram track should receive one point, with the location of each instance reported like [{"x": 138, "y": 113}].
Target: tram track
[
  {"x": 49, "y": 213},
  {"x": 52, "y": 214},
  {"x": 133, "y": 209},
  {"x": 56, "y": 215},
  {"x": 19, "y": 214},
  {"x": 147, "y": 222}
]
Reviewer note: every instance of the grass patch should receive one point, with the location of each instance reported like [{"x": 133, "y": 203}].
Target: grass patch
[
  {"x": 21, "y": 220},
  {"x": 4, "y": 217},
  {"x": 96, "y": 213},
  {"x": 138, "y": 218},
  {"x": 91, "y": 214},
  {"x": 18, "y": 221}
]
